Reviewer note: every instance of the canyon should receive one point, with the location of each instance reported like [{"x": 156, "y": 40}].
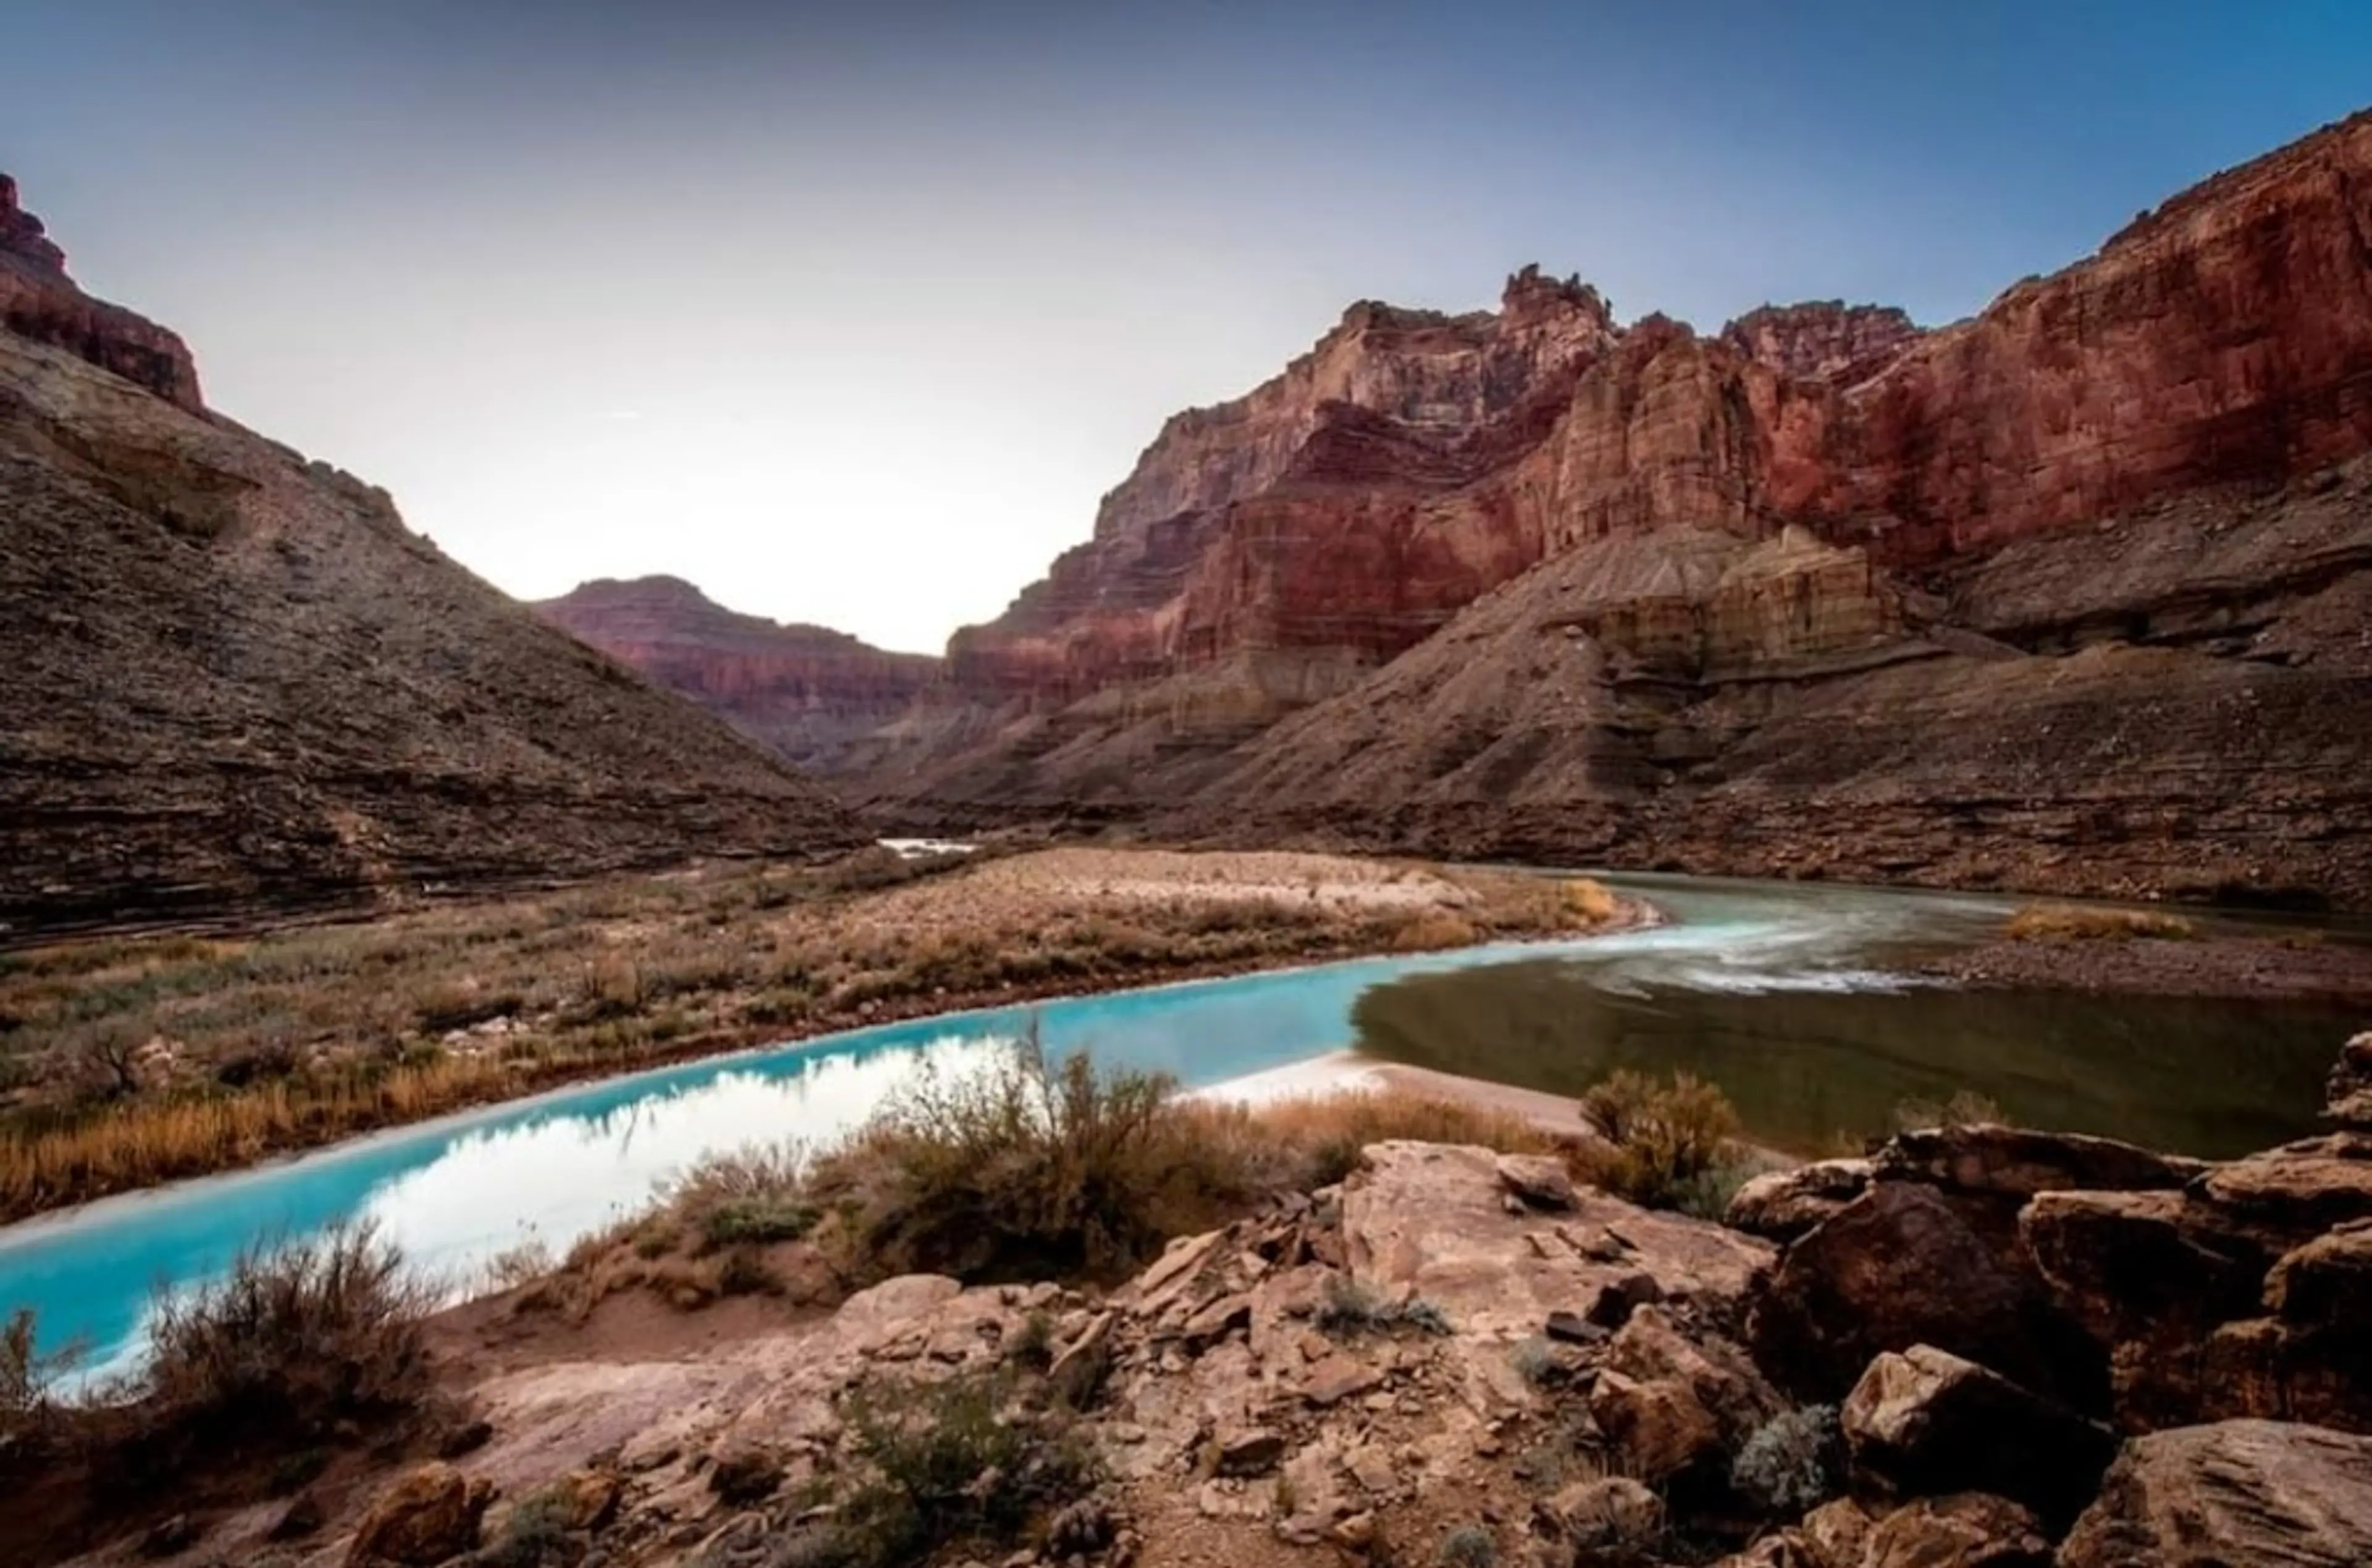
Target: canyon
[
  {"x": 806, "y": 691},
  {"x": 237, "y": 686},
  {"x": 2072, "y": 595}
]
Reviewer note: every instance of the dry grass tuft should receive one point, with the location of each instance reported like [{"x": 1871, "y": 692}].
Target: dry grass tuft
[{"x": 2076, "y": 923}]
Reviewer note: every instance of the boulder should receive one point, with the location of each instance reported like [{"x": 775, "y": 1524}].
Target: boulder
[
  {"x": 1251, "y": 1451},
  {"x": 1428, "y": 1220},
  {"x": 2229, "y": 1495},
  {"x": 2347, "y": 1097},
  {"x": 1780, "y": 1205},
  {"x": 2109, "y": 1260},
  {"x": 1926, "y": 1423},
  {"x": 1967, "y": 1531},
  {"x": 2019, "y": 1162},
  {"x": 1906, "y": 1264},
  {"x": 1610, "y": 1513},
  {"x": 2289, "y": 1195},
  {"x": 428, "y": 1515},
  {"x": 1672, "y": 1403},
  {"x": 2326, "y": 1285},
  {"x": 1538, "y": 1180}
]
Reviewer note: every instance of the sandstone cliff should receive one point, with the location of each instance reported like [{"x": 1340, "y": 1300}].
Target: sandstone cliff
[
  {"x": 806, "y": 691},
  {"x": 40, "y": 302},
  {"x": 2068, "y": 594},
  {"x": 231, "y": 682}
]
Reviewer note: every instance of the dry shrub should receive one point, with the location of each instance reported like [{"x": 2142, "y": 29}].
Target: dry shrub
[
  {"x": 2076, "y": 923},
  {"x": 1325, "y": 1133},
  {"x": 1435, "y": 929},
  {"x": 29, "y": 1410},
  {"x": 1029, "y": 1170},
  {"x": 299, "y": 1338},
  {"x": 1589, "y": 902},
  {"x": 1964, "y": 1108},
  {"x": 1672, "y": 1143}
]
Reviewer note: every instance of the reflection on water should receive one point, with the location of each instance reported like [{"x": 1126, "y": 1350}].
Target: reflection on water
[
  {"x": 1818, "y": 1033},
  {"x": 456, "y": 1192}
]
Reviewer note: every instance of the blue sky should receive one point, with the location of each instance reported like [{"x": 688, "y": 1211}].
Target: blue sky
[{"x": 850, "y": 312}]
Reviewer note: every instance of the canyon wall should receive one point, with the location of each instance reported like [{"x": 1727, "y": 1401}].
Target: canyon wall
[
  {"x": 805, "y": 692},
  {"x": 1535, "y": 581},
  {"x": 234, "y": 685},
  {"x": 40, "y": 302}
]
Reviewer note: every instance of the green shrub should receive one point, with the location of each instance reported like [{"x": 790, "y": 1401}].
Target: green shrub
[
  {"x": 1665, "y": 1138},
  {"x": 1468, "y": 1545},
  {"x": 938, "y": 1464},
  {"x": 758, "y": 1222},
  {"x": 1792, "y": 1462}
]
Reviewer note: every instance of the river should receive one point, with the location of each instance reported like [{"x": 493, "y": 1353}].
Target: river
[{"x": 1797, "y": 998}]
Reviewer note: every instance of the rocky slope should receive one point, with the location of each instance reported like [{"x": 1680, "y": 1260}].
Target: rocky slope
[
  {"x": 2070, "y": 595},
  {"x": 806, "y": 691},
  {"x": 235, "y": 682}
]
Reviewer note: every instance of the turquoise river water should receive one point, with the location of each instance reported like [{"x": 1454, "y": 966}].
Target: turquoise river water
[{"x": 1798, "y": 999}]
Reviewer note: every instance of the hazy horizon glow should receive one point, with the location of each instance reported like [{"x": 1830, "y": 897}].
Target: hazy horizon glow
[{"x": 851, "y": 314}]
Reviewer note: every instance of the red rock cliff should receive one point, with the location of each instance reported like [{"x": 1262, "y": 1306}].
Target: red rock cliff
[
  {"x": 38, "y": 301},
  {"x": 805, "y": 690},
  {"x": 1412, "y": 461}
]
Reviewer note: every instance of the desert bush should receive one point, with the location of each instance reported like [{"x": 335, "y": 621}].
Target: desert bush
[
  {"x": 1589, "y": 902},
  {"x": 1028, "y": 1169},
  {"x": 1962, "y": 1108},
  {"x": 29, "y": 1376},
  {"x": 538, "y": 1533},
  {"x": 1349, "y": 1309},
  {"x": 2080, "y": 923},
  {"x": 938, "y": 1464},
  {"x": 1667, "y": 1139},
  {"x": 1792, "y": 1462},
  {"x": 1468, "y": 1545},
  {"x": 298, "y": 1338}
]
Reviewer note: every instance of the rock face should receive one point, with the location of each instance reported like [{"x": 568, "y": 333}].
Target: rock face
[
  {"x": 235, "y": 682},
  {"x": 2239, "y": 1492},
  {"x": 40, "y": 302},
  {"x": 2069, "y": 595},
  {"x": 806, "y": 691}
]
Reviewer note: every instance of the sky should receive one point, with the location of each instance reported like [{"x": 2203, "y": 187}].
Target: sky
[{"x": 851, "y": 312}]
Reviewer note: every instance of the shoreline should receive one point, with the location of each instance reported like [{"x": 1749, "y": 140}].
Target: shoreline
[{"x": 492, "y": 1085}]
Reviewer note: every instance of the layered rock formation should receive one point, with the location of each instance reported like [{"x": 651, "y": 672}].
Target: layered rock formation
[
  {"x": 806, "y": 691},
  {"x": 40, "y": 302},
  {"x": 2070, "y": 595},
  {"x": 231, "y": 682}
]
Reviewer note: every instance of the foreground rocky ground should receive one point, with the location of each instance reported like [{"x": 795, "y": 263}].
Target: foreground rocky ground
[{"x": 1978, "y": 1346}]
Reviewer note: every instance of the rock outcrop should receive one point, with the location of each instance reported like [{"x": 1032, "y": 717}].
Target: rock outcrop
[
  {"x": 2070, "y": 595},
  {"x": 233, "y": 683},
  {"x": 2239, "y": 1492},
  {"x": 806, "y": 691},
  {"x": 40, "y": 302}
]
